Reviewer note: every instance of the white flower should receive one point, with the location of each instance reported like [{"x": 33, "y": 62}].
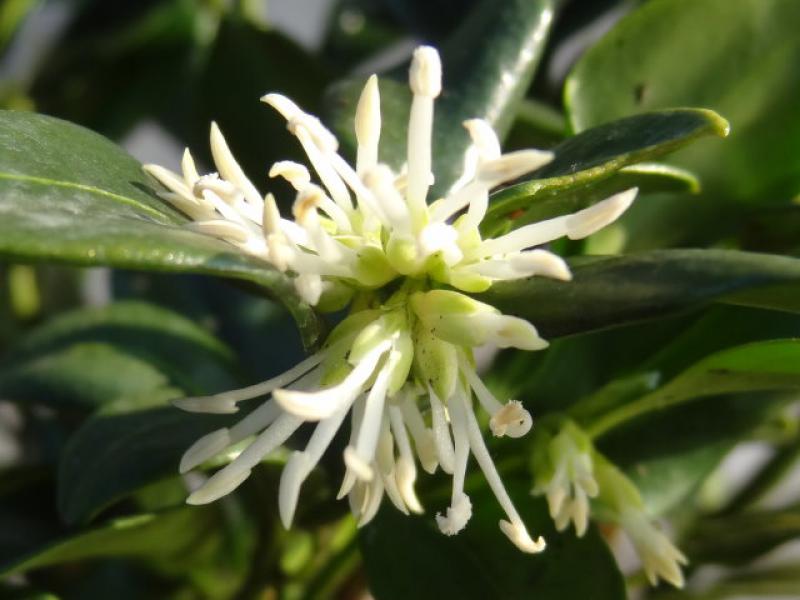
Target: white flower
[
  {"x": 565, "y": 474},
  {"x": 364, "y": 226},
  {"x": 620, "y": 501},
  {"x": 660, "y": 558},
  {"x": 376, "y": 367},
  {"x": 401, "y": 366}
]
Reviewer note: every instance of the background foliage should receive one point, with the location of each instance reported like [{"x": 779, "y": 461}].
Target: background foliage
[{"x": 675, "y": 345}]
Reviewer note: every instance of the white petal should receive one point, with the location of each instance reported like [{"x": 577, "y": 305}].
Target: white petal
[
  {"x": 230, "y": 169},
  {"x": 313, "y": 406},
  {"x": 206, "y": 447},
  {"x": 368, "y": 126}
]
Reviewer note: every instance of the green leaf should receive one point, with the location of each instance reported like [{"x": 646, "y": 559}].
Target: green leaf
[
  {"x": 661, "y": 56},
  {"x": 139, "y": 448},
  {"x": 669, "y": 454},
  {"x": 488, "y": 64},
  {"x": 548, "y": 202},
  {"x": 168, "y": 536},
  {"x": 407, "y": 557},
  {"x": 738, "y": 539},
  {"x": 69, "y": 195},
  {"x": 608, "y": 292},
  {"x": 761, "y": 366},
  {"x": 124, "y": 350},
  {"x": 602, "y": 151}
]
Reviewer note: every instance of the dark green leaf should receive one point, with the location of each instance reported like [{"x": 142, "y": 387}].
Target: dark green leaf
[
  {"x": 165, "y": 536},
  {"x": 138, "y": 448},
  {"x": 549, "y": 202},
  {"x": 738, "y": 539},
  {"x": 601, "y": 151},
  {"x": 127, "y": 349},
  {"x": 408, "y": 557},
  {"x": 94, "y": 206},
  {"x": 669, "y": 454},
  {"x": 761, "y": 366},
  {"x": 607, "y": 292},
  {"x": 661, "y": 56}
]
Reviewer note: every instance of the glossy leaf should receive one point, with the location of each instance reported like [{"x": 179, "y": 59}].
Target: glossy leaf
[
  {"x": 95, "y": 356},
  {"x": 661, "y": 56},
  {"x": 599, "y": 152},
  {"x": 738, "y": 539},
  {"x": 95, "y": 206},
  {"x": 762, "y": 366},
  {"x": 138, "y": 448},
  {"x": 408, "y": 557},
  {"x": 669, "y": 454},
  {"x": 165, "y": 536},
  {"x": 548, "y": 202},
  {"x": 608, "y": 292}
]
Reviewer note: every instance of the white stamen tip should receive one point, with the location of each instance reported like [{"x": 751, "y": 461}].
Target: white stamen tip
[
  {"x": 511, "y": 420},
  {"x": 406, "y": 475},
  {"x": 294, "y": 473},
  {"x": 457, "y": 516},
  {"x": 521, "y": 538},
  {"x": 218, "y": 405},
  {"x": 425, "y": 76},
  {"x": 594, "y": 218},
  {"x": 357, "y": 465},
  {"x": 206, "y": 447},
  {"x": 221, "y": 484},
  {"x": 295, "y": 173}
]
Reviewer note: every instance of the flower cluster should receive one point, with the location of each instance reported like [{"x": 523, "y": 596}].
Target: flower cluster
[
  {"x": 401, "y": 365},
  {"x": 570, "y": 472}
]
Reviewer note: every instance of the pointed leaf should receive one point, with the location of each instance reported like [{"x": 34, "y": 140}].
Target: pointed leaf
[
  {"x": 607, "y": 292},
  {"x": 599, "y": 152}
]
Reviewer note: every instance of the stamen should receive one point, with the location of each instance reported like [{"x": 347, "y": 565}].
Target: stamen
[
  {"x": 300, "y": 465},
  {"x": 295, "y": 173},
  {"x": 441, "y": 432},
  {"x": 229, "y": 169},
  {"x": 368, "y": 126},
  {"x": 425, "y": 79},
  {"x": 359, "y": 457},
  {"x": 514, "y": 528},
  {"x": 228, "y": 400},
  {"x": 190, "y": 174},
  {"x": 424, "y": 441},
  {"x": 406, "y": 468},
  {"x": 460, "y": 510},
  {"x": 314, "y": 406},
  {"x": 230, "y": 477},
  {"x": 575, "y": 226}
]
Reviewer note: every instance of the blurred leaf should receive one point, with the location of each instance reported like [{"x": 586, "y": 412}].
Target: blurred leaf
[
  {"x": 487, "y": 63},
  {"x": 170, "y": 536},
  {"x": 761, "y": 366},
  {"x": 669, "y": 453},
  {"x": 125, "y": 350},
  {"x": 113, "y": 68},
  {"x": 738, "y": 539},
  {"x": 407, "y": 557},
  {"x": 96, "y": 207},
  {"x": 608, "y": 292},
  {"x": 242, "y": 64},
  {"x": 12, "y": 15},
  {"x": 139, "y": 448},
  {"x": 600, "y": 152},
  {"x": 661, "y": 56},
  {"x": 554, "y": 202}
]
